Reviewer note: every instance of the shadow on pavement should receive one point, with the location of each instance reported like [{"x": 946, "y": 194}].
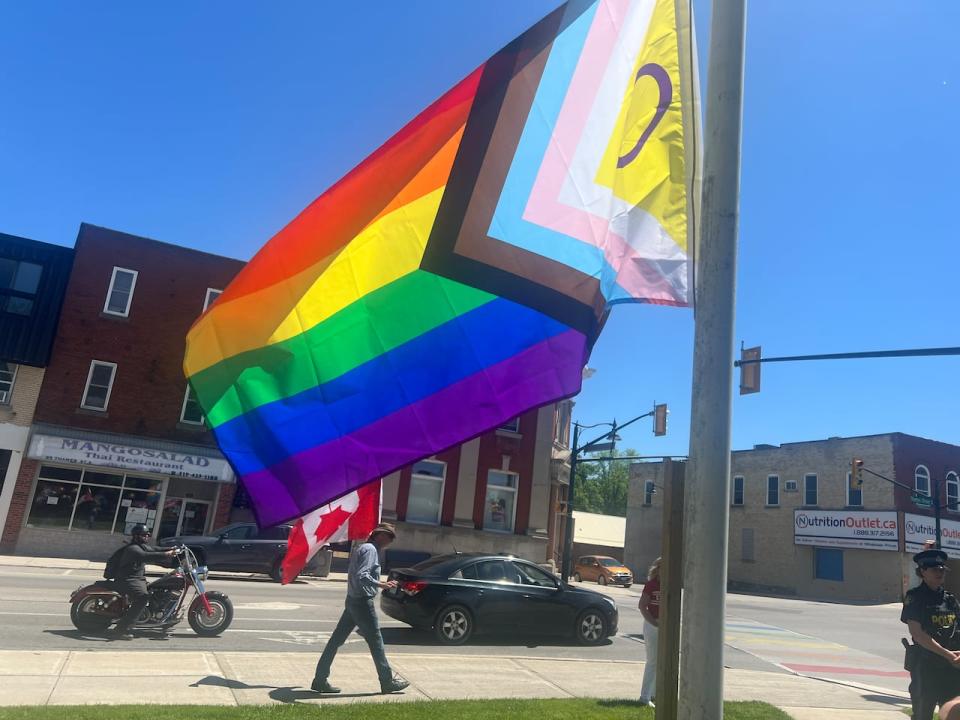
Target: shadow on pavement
[
  {"x": 288, "y": 695},
  {"x": 77, "y": 635},
  {"x": 410, "y": 636},
  {"x": 885, "y": 699}
]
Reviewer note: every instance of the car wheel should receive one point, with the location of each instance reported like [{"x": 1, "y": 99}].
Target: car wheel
[
  {"x": 454, "y": 625},
  {"x": 276, "y": 570},
  {"x": 591, "y": 627},
  {"x": 576, "y": 576},
  {"x": 602, "y": 580}
]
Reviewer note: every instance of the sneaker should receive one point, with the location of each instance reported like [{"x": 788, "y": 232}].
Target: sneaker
[
  {"x": 323, "y": 686},
  {"x": 118, "y": 634},
  {"x": 396, "y": 684}
]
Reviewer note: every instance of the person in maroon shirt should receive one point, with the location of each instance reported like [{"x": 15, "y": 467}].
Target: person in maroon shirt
[{"x": 650, "y": 609}]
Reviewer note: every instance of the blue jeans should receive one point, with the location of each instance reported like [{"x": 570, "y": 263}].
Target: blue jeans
[{"x": 361, "y": 614}]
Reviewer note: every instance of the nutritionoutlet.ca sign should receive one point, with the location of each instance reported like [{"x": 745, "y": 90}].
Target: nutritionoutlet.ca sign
[
  {"x": 53, "y": 448},
  {"x": 917, "y": 529},
  {"x": 869, "y": 529}
]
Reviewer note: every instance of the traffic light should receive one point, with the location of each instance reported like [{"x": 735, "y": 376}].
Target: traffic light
[
  {"x": 856, "y": 473},
  {"x": 749, "y": 373},
  {"x": 660, "y": 413}
]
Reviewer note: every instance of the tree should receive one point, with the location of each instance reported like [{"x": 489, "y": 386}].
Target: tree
[{"x": 601, "y": 487}]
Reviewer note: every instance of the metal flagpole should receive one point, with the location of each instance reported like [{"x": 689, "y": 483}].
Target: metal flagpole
[{"x": 707, "y": 500}]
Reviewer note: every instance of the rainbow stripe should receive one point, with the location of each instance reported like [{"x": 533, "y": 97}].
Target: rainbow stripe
[{"x": 403, "y": 312}]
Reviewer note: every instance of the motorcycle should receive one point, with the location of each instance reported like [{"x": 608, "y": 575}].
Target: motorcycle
[{"x": 94, "y": 607}]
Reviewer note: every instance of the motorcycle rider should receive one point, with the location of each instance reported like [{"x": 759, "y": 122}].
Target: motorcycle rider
[{"x": 131, "y": 580}]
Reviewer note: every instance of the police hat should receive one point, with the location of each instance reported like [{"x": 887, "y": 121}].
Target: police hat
[{"x": 930, "y": 558}]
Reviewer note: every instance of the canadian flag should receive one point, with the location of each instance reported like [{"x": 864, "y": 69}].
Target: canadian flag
[{"x": 351, "y": 517}]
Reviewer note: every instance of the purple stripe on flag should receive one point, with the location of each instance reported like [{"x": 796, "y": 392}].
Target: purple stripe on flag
[{"x": 542, "y": 373}]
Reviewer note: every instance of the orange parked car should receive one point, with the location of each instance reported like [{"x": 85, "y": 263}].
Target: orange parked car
[{"x": 603, "y": 569}]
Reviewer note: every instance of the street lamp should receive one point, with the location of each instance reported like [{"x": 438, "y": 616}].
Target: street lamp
[{"x": 602, "y": 443}]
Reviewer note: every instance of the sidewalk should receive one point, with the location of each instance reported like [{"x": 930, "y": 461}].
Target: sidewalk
[{"x": 244, "y": 678}]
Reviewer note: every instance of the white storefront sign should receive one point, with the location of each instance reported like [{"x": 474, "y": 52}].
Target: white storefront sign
[
  {"x": 917, "y": 529},
  {"x": 52, "y": 448},
  {"x": 869, "y": 529}
]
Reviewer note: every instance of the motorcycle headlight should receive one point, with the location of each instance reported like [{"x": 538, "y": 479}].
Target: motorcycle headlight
[{"x": 202, "y": 572}]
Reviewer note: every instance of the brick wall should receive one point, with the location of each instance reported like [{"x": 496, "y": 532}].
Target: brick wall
[
  {"x": 23, "y": 403},
  {"x": 19, "y": 504},
  {"x": 221, "y": 516},
  {"x": 148, "y": 346}
]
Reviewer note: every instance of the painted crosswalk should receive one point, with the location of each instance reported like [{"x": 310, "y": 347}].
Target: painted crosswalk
[{"x": 815, "y": 657}]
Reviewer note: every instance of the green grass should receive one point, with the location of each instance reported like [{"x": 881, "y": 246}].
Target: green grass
[{"x": 580, "y": 709}]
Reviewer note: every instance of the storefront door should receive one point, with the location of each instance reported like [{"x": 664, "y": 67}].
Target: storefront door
[{"x": 183, "y": 517}]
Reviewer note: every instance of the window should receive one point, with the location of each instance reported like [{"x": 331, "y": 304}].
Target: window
[
  {"x": 96, "y": 396},
  {"x": 426, "y": 492},
  {"x": 773, "y": 490},
  {"x": 495, "y": 571},
  {"x": 746, "y": 545},
  {"x": 921, "y": 480},
  {"x": 501, "y": 501},
  {"x": 854, "y": 496},
  {"x": 953, "y": 491},
  {"x": 212, "y": 295},
  {"x": 19, "y": 282},
  {"x": 93, "y": 500},
  {"x": 828, "y": 564},
  {"x": 235, "y": 532},
  {"x": 532, "y": 575},
  {"x": 191, "y": 412},
  {"x": 810, "y": 489},
  {"x": 512, "y": 425},
  {"x": 561, "y": 423},
  {"x": 280, "y": 532},
  {"x": 120, "y": 293},
  {"x": 737, "y": 490},
  {"x": 648, "y": 490},
  {"x": 8, "y": 375}
]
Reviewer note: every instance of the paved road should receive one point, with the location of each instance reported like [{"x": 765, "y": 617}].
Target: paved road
[{"x": 34, "y": 615}]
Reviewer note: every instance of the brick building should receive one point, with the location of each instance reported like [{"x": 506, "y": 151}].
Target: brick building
[
  {"x": 116, "y": 438},
  {"x": 33, "y": 278},
  {"x": 796, "y": 527}
]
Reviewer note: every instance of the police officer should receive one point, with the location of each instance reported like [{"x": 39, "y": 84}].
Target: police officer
[
  {"x": 131, "y": 579},
  {"x": 933, "y": 616}
]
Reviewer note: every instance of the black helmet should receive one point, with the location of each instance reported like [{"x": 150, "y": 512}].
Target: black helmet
[{"x": 139, "y": 530}]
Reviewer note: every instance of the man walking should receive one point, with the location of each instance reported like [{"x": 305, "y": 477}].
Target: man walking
[{"x": 363, "y": 583}]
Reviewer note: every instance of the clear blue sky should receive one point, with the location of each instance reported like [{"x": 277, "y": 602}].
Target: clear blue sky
[{"x": 212, "y": 124}]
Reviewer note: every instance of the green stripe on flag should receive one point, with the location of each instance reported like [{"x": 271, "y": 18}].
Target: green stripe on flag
[{"x": 374, "y": 324}]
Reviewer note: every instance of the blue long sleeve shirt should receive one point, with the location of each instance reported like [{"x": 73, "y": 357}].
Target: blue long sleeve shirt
[{"x": 363, "y": 574}]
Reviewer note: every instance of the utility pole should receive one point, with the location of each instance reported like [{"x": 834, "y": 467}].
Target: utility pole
[
  {"x": 596, "y": 445},
  {"x": 707, "y": 492},
  {"x": 568, "y": 533}
]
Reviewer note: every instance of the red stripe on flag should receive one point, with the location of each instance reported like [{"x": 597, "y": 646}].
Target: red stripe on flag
[
  {"x": 297, "y": 550},
  {"x": 367, "y": 516}
]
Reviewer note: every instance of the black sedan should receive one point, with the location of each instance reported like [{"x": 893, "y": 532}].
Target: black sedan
[{"x": 458, "y": 595}]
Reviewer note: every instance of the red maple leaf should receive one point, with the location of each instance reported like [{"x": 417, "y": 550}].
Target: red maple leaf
[{"x": 331, "y": 522}]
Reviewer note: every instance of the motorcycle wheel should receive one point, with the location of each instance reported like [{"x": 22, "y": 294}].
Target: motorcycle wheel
[
  {"x": 211, "y": 625},
  {"x": 84, "y": 619}
]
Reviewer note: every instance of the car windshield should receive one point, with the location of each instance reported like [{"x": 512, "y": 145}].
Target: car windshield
[{"x": 610, "y": 562}]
